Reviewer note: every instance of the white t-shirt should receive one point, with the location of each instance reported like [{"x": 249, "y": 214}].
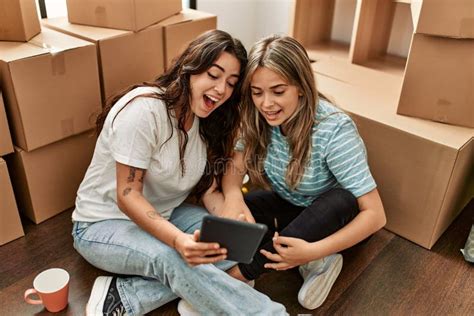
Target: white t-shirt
[{"x": 138, "y": 138}]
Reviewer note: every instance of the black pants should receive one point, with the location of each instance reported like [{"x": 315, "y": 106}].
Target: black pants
[{"x": 327, "y": 214}]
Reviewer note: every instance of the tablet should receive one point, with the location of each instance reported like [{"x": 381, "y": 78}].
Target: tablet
[{"x": 241, "y": 239}]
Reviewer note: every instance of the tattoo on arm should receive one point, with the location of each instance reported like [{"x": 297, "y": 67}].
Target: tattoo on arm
[
  {"x": 133, "y": 172},
  {"x": 153, "y": 215},
  {"x": 131, "y": 175},
  {"x": 126, "y": 191}
]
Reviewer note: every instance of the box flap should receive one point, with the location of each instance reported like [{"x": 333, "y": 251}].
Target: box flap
[
  {"x": 88, "y": 33},
  {"x": 57, "y": 42},
  {"x": 10, "y": 51},
  {"x": 48, "y": 41},
  {"x": 186, "y": 16},
  {"x": 149, "y": 12},
  {"x": 453, "y": 18},
  {"x": 374, "y": 94}
]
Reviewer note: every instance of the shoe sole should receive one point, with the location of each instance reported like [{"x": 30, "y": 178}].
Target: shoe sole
[
  {"x": 98, "y": 295},
  {"x": 315, "y": 293},
  {"x": 185, "y": 309}
]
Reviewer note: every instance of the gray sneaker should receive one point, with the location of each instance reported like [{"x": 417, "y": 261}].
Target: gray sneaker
[{"x": 319, "y": 277}]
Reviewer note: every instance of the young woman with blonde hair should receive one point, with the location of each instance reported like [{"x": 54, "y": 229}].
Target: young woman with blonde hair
[{"x": 322, "y": 198}]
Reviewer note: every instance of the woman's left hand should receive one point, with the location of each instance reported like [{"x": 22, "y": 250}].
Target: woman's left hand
[{"x": 291, "y": 252}]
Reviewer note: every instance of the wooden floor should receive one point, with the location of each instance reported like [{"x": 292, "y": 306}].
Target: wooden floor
[{"x": 386, "y": 275}]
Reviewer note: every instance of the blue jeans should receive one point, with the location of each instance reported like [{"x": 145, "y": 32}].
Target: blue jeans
[{"x": 154, "y": 274}]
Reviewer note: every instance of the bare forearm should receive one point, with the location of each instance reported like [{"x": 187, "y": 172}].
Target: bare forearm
[
  {"x": 139, "y": 210},
  {"x": 213, "y": 201},
  {"x": 232, "y": 180},
  {"x": 362, "y": 226}
]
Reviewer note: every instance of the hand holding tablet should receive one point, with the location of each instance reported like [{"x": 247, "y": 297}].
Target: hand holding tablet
[{"x": 241, "y": 239}]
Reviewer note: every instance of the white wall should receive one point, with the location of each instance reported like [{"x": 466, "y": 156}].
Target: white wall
[
  {"x": 249, "y": 20},
  {"x": 55, "y": 8},
  {"x": 343, "y": 20},
  {"x": 402, "y": 30}
]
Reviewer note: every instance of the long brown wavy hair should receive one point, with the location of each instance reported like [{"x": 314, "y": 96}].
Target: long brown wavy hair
[
  {"x": 219, "y": 129},
  {"x": 286, "y": 57}
]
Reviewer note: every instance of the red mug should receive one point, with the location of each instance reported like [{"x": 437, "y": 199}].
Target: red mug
[{"x": 52, "y": 287}]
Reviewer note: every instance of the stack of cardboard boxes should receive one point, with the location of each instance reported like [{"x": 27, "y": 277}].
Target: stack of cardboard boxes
[
  {"x": 50, "y": 85},
  {"x": 55, "y": 80},
  {"x": 441, "y": 60},
  {"x": 10, "y": 224},
  {"x": 424, "y": 169},
  {"x": 20, "y": 24},
  {"x": 138, "y": 48}
]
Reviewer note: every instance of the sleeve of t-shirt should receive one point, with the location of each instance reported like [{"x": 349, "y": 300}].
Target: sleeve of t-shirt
[
  {"x": 346, "y": 157},
  {"x": 134, "y": 134}
]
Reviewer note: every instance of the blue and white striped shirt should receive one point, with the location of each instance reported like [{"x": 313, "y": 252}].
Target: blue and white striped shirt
[{"x": 338, "y": 159}]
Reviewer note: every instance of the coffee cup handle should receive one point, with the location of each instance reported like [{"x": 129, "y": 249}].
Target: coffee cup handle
[{"x": 29, "y": 300}]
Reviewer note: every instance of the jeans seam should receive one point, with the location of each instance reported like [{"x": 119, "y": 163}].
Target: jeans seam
[{"x": 125, "y": 301}]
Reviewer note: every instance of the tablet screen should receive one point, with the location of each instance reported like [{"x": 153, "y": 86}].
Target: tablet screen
[{"x": 241, "y": 239}]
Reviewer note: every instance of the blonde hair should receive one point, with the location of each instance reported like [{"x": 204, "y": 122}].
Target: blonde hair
[{"x": 286, "y": 57}]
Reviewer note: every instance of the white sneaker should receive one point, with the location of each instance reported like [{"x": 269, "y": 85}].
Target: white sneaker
[
  {"x": 319, "y": 277},
  {"x": 185, "y": 309}
]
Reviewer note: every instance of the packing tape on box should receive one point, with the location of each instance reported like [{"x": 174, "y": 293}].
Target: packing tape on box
[
  {"x": 101, "y": 15},
  {"x": 466, "y": 28},
  {"x": 58, "y": 62},
  {"x": 67, "y": 127},
  {"x": 443, "y": 108}
]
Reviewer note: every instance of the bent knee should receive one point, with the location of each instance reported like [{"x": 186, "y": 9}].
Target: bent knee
[{"x": 341, "y": 199}]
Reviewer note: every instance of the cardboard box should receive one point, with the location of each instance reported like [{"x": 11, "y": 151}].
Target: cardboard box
[
  {"x": 6, "y": 145},
  {"x": 18, "y": 20},
  {"x": 424, "y": 170},
  {"x": 439, "y": 80},
  {"x": 46, "y": 180},
  {"x": 10, "y": 223},
  {"x": 449, "y": 18},
  {"x": 132, "y": 15},
  {"x": 323, "y": 27},
  {"x": 179, "y": 30},
  {"x": 125, "y": 58},
  {"x": 51, "y": 88}
]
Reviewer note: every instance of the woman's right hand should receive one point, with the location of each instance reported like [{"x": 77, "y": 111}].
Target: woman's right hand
[{"x": 195, "y": 252}]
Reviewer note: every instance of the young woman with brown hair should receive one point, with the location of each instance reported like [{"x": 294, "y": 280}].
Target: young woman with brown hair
[{"x": 157, "y": 143}]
